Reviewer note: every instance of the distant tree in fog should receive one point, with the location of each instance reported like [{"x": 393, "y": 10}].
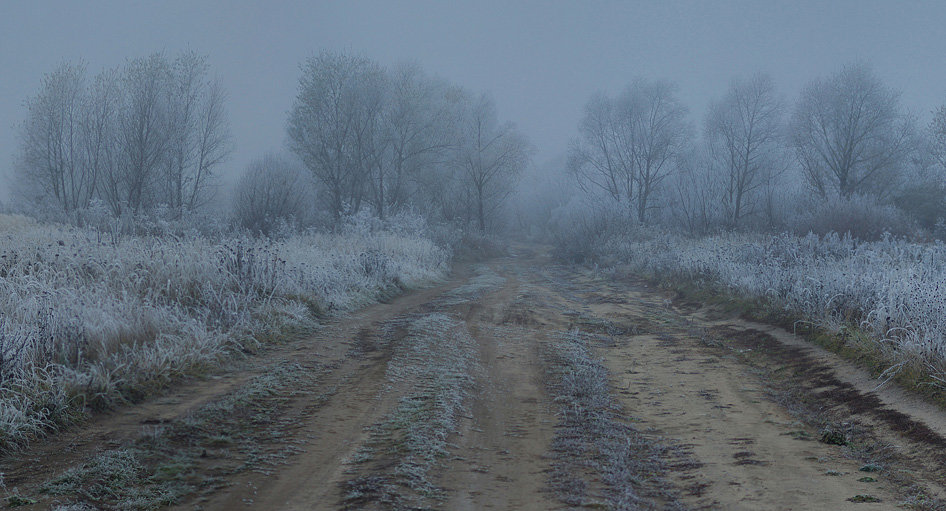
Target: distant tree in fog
[
  {"x": 199, "y": 133},
  {"x": 273, "y": 190},
  {"x": 489, "y": 156},
  {"x": 334, "y": 125},
  {"x": 599, "y": 157},
  {"x": 629, "y": 145},
  {"x": 55, "y": 144},
  {"x": 937, "y": 134},
  {"x": 418, "y": 125},
  {"x": 850, "y": 134},
  {"x": 153, "y": 132},
  {"x": 696, "y": 189},
  {"x": 743, "y": 134}
]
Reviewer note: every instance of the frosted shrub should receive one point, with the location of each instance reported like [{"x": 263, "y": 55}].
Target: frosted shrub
[{"x": 92, "y": 318}]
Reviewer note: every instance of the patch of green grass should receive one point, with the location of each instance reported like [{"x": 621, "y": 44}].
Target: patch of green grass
[
  {"x": 862, "y": 498},
  {"x": 19, "y": 500},
  {"x": 116, "y": 476},
  {"x": 799, "y": 434},
  {"x": 833, "y": 437}
]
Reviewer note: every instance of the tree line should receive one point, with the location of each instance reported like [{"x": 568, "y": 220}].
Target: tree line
[
  {"x": 151, "y": 132},
  {"x": 154, "y": 134},
  {"x": 847, "y": 139},
  {"x": 392, "y": 139}
]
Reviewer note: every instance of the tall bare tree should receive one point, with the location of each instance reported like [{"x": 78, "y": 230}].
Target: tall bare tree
[
  {"x": 598, "y": 158},
  {"x": 658, "y": 131},
  {"x": 53, "y": 140},
  {"x": 198, "y": 133},
  {"x": 743, "y": 132},
  {"x": 333, "y": 121},
  {"x": 417, "y": 130},
  {"x": 490, "y": 156},
  {"x": 142, "y": 133},
  {"x": 628, "y": 145},
  {"x": 850, "y": 133}
]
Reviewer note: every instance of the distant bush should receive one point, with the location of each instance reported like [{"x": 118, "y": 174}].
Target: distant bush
[
  {"x": 580, "y": 230},
  {"x": 273, "y": 192},
  {"x": 863, "y": 217},
  {"x": 925, "y": 202}
]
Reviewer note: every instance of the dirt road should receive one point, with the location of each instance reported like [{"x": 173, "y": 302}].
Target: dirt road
[{"x": 517, "y": 384}]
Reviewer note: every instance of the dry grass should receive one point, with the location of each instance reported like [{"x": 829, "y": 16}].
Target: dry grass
[
  {"x": 436, "y": 359},
  {"x": 598, "y": 458},
  {"x": 89, "y": 321}
]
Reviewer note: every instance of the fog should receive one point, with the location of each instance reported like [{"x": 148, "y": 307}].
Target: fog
[
  {"x": 495, "y": 253},
  {"x": 539, "y": 60}
]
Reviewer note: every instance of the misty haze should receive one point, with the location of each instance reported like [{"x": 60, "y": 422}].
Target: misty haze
[{"x": 513, "y": 255}]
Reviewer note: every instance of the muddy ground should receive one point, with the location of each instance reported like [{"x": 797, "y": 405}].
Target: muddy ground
[{"x": 515, "y": 384}]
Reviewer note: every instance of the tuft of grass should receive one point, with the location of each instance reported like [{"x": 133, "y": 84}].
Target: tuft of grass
[
  {"x": 862, "y": 498},
  {"x": 19, "y": 500},
  {"x": 240, "y": 432},
  {"x": 115, "y": 476},
  {"x": 437, "y": 360},
  {"x": 594, "y": 443}
]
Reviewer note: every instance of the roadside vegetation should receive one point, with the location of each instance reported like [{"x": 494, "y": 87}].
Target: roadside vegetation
[
  {"x": 879, "y": 301},
  {"x": 88, "y": 321}
]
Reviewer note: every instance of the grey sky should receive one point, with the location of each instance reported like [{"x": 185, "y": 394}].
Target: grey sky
[{"x": 540, "y": 60}]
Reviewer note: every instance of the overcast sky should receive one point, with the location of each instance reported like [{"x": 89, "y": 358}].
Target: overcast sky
[{"x": 540, "y": 60}]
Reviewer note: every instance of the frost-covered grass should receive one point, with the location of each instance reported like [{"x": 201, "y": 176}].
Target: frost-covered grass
[
  {"x": 437, "y": 359},
  {"x": 892, "y": 292},
  {"x": 594, "y": 444},
  {"x": 88, "y": 320}
]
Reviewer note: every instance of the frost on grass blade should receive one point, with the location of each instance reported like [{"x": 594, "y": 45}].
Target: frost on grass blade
[{"x": 90, "y": 321}]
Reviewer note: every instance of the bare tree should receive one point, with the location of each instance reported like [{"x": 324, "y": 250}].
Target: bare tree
[
  {"x": 598, "y": 158},
  {"x": 272, "y": 190},
  {"x": 417, "y": 130},
  {"x": 142, "y": 134},
  {"x": 198, "y": 133},
  {"x": 658, "y": 133},
  {"x": 628, "y": 145},
  {"x": 937, "y": 138},
  {"x": 54, "y": 145},
  {"x": 695, "y": 192},
  {"x": 743, "y": 132},
  {"x": 850, "y": 133},
  {"x": 333, "y": 122},
  {"x": 489, "y": 156}
]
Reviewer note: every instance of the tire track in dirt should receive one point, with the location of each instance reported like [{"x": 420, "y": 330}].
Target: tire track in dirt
[
  {"x": 499, "y": 461},
  {"x": 715, "y": 397},
  {"x": 332, "y": 433}
]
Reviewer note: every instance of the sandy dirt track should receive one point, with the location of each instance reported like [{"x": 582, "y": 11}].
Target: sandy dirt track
[{"x": 452, "y": 398}]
